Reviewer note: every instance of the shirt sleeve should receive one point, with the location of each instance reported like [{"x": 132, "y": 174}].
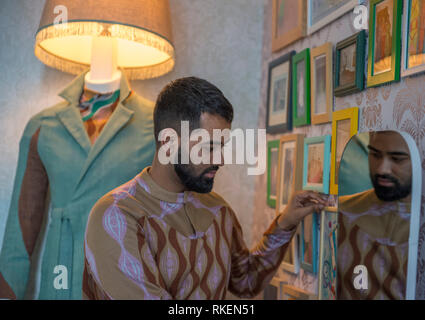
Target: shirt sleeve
[
  {"x": 25, "y": 215},
  {"x": 118, "y": 261},
  {"x": 252, "y": 270}
]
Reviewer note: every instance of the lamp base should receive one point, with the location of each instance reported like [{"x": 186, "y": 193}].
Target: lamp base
[{"x": 103, "y": 85}]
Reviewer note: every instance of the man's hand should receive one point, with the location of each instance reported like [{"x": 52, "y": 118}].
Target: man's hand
[{"x": 301, "y": 204}]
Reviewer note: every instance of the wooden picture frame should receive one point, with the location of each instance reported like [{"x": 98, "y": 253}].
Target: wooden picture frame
[
  {"x": 293, "y": 293},
  {"x": 301, "y": 88},
  {"x": 351, "y": 78},
  {"x": 338, "y": 145},
  {"x": 279, "y": 95},
  {"x": 272, "y": 168},
  {"x": 283, "y": 35},
  {"x": 334, "y": 12},
  {"x": 324, "y": 157},
  {"x": 289, "y": 168},
  {"x": 327, "y": 254},
  {"x": 387, "y": 68},
  {"x": 307, "y": 265},
  {"x": 321, "y": 103},
  {"x": 413, "y": 19}
]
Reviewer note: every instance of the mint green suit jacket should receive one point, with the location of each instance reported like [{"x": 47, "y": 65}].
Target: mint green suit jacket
[{"x": 79, "y": 174}]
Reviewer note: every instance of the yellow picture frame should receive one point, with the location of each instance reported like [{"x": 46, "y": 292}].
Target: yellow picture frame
[
  {"x": 351, "y": 114},
  {"x": 327, "y": 51}
]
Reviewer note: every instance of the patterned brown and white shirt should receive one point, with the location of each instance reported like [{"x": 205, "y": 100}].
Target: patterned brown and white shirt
[
  {"x": 144, "y": 242},
  {"x": 373, "y": 233}
]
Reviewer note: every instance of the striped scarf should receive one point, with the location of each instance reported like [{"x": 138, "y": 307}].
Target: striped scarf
[{"x": 89, "y": 106}]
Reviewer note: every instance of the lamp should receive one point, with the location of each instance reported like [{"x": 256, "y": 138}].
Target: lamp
[{"x": 134, "y": 35}]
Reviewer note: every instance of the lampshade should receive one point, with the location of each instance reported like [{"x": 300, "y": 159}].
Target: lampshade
[{"x": 141, "y": 28}]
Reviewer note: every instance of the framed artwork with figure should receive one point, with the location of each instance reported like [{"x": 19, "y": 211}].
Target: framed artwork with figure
[
  {"x": 290, "y": 168},
  {"x": 321, "y": 62},
  {"x": 344, "y": 126},
  {"x": 301, "y": 88},
  {"x": 317, "y": 155},
  {"x": 322, "y": 12},
  {"x": 288, "y": 22},
  {"x": 384, "y": 41},
  {"x": 309, "y": 243},
  {"x": 349, "y": 64},
  {"x": 413, "y": 55},
  {"x": 279, "y": 95},
  {"x": 327, "y": 254},
  {"x": 272, "y": 167}
]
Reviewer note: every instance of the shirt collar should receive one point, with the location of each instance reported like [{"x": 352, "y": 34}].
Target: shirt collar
[{"x": 150, "y": 186}]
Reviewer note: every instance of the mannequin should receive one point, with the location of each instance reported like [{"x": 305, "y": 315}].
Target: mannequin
[{"x": 72, "y": 153}]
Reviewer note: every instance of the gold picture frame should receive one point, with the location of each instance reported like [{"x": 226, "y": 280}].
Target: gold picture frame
[
  {"x": 295, "y": 168},
  {"x": 345, "y": 133},
  {"x": 318, "y": 56},
  {"x": 281, "y": 35}
]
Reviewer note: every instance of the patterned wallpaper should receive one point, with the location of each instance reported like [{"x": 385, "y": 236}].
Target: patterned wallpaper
[
  {"x": 209, "y": 36},
  {"x": 399, "y": 106}
]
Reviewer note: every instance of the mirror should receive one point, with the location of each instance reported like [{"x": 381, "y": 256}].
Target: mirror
[{"x": 378, "y": 217}]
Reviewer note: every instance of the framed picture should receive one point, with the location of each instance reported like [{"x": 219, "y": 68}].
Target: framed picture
[
  {"x": 349, "y": 64},
  {"x": 413, "y": 55},
  {"x": 321, "y": 84},
  {"x": 317, "y": 156},
  {"x": 323, "y": 12},
  {"x": 384, "y": 41},
  {"x": 344, "y": 126},
  {"x": 291, "y": 262},
  {"x": 301, "y": 88},
  {"x": 288, "y": 22},
  {"x": 272, "y": 167},
  {"x": 279, "y": 97},
  {"x": 290, "y": 170},
  {"x": 327, "y": 255},
  {"x": 293, "y": 293},
  {"x": 308, "y": 243}
]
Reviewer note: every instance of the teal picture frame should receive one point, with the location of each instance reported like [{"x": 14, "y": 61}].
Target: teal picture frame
[
  {"x": 272, "y": 146},
  {"x": 304, "y": 118},
  {"x": 326, "y": 157},
  {"x": 328, "y": 253},
  {"x": 357, "y": 85},
  {"x": 310, "y": 267},
  {"x": 393, "y": 74}
]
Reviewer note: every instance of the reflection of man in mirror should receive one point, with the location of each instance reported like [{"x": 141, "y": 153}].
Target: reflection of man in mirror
[{"x": 374, "y": 224}]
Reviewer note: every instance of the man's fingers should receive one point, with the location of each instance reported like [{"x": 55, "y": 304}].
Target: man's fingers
[{"x": 312, "y": 197}]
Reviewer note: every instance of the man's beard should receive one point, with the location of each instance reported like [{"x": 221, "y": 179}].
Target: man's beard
[
  {"x": 192, "y": 182},
  {"x": 397, "y": 192}
]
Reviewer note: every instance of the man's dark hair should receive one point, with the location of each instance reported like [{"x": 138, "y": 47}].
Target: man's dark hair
[{"x": 185, "y": 99}]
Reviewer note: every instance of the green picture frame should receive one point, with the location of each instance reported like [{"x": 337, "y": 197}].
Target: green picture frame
[
  {"x": 301, "y": 88},
  {"x": 350, "y": 81},
  {"x": 393, "y": 73},
  {"x": 272, "y": 171}
]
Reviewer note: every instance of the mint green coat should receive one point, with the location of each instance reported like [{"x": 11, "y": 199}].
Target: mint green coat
[{"x": 79, "y": 174}]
